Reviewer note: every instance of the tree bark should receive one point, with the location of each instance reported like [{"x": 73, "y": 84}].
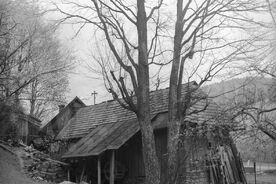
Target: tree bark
[
  {"x": 174, "y": 118},
  {"x": 152, "y": 169}
]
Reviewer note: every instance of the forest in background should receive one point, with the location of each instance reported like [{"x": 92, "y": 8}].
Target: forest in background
[{"x": 252, "y": 143}]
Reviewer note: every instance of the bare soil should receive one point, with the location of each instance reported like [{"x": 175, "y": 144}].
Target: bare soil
[{"x": 11, "y": 172}]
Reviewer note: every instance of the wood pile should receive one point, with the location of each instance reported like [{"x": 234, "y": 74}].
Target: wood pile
[
  {"x": 223, "y": 168},
  {"x": 40, "y": 166}
]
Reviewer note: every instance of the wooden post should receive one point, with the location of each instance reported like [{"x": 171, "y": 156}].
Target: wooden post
[
  {"x": 26, "y": 131},
  {"x": 99, "y": 169},
  {"x": 112, "y": 166},
  {"x": 255, "y": 177},
  {"x": 83, "y": 171},
  {"x": 68, "y": 174}
]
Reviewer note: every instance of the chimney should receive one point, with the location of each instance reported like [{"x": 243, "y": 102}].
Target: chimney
[{"x": 60, "y": 107}]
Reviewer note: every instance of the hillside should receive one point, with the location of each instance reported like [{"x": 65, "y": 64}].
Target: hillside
[
  {"x": 227, "y": 90},
  {"x": 10, "y": 171},
  {"x": 227, "y": 93},
  {"x": 14, "y": 167}
]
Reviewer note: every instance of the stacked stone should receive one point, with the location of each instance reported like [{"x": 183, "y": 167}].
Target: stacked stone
[{"x": 41, "y": 166}]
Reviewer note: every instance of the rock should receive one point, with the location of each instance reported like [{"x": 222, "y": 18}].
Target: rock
[
  {"x": 41, "y": 167},
  {"x": 83, "y": 182},
  {"x": 67, "y": 182}
]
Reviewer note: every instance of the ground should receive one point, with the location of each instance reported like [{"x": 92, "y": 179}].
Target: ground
[
  {"x": 10, "y": 170},
  {"x": 266, "y": 173},
  {"x": 261, "y": 179}
]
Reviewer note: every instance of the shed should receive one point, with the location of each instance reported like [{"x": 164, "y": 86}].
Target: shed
[
  {"x": 56, "y": 124},
  {"x": 28, "y": 127},
  {"x": 107, "y": 144}
]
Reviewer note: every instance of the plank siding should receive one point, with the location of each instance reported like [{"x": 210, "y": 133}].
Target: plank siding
[
  {"x": 54, "y": 126},
  {"x": 161, "y": 150},
  {"x": 130, "y": 156}
]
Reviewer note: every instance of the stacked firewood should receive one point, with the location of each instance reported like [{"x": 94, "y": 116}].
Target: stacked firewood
[
  {"x": 224, "y": 167},
  {"x": 41, "y": 167}
]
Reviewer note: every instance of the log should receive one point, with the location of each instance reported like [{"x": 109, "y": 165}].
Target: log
[{"x": 56, "y": 161}]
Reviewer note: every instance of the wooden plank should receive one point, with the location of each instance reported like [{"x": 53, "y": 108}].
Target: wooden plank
[
  {"x": 112, "y": 167},
  {"x": 56, "y": 161},
  {"x": 99, "y": 169}
]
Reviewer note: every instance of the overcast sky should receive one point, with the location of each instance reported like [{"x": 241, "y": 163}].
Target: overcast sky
[{"x": 81, "y": 82}]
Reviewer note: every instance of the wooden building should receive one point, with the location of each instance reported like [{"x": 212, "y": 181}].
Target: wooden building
[
  {"x": 53, "y": 127},
  {"x": 106, "y": 144},
  {"x": 27, "y": 127},
  {"x": 16, "y": 125}
]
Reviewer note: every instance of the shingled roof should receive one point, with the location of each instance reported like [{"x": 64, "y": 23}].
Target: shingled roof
[
  {"x": 110, "y": 112},
  {"x": 61, "y": 112},
  {"x": 108, "y": 126}
]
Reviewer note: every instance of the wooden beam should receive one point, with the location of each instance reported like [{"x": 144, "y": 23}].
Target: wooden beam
[
  {"x": 112, "y": 167},
  {"x": 99, "y": 169}
]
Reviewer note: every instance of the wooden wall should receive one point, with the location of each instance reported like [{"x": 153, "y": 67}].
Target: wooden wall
[
  {"x": 130, "y": 155},
  {"x": 56, "y": 124},
  {"x": 193, "y": 153},
  {"x": 131, "y": 158},
  {"x": 26, "y": 129}
]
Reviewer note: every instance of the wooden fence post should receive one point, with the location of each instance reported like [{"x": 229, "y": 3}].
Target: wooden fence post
[{"x": 255, "y": 172}]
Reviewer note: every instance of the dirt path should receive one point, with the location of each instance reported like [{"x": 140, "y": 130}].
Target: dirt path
[{"x": 10, "y": 170}]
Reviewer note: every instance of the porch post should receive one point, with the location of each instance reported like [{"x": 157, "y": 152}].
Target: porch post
[
  {"x": 99, "y": 169},
  {"x": 83, "y": 171},
  {"x": 112, "y": 166},
  {"x": 68, "y": 174}
]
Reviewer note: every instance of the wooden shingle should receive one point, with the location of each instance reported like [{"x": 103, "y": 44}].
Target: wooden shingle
[{"x": 107, "y": 125}]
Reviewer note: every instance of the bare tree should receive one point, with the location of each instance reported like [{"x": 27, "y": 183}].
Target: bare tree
[
  {"x": 194, "y": 33},
  {"x": 196, "y": 38},
  {"x": 32, "y": 59},
  {"x": 259, "y": 110},
  {"x": 45, "y": 92},
  {"x": 255, "y": 112}
]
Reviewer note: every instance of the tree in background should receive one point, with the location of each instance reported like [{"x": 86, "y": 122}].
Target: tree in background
[
  {"x": 33, "y": 63},
  {"x": 257, "y": 108},
  {"x": 45, "y": 92},
  {"x": 247, "y": 100}
]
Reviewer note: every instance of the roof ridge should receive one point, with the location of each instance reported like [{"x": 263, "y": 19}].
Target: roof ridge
[
  {"x": 192, "y": 82},
  {"x": 152, "y": 91}
]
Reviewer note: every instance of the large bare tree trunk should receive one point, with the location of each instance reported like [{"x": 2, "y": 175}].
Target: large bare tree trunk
[
  {"x": 174, "y": 101},
  {"x": 152, "y": 169}
]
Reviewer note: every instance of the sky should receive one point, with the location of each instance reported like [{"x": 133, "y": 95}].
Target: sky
[{"x": 82, "y": 82}]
